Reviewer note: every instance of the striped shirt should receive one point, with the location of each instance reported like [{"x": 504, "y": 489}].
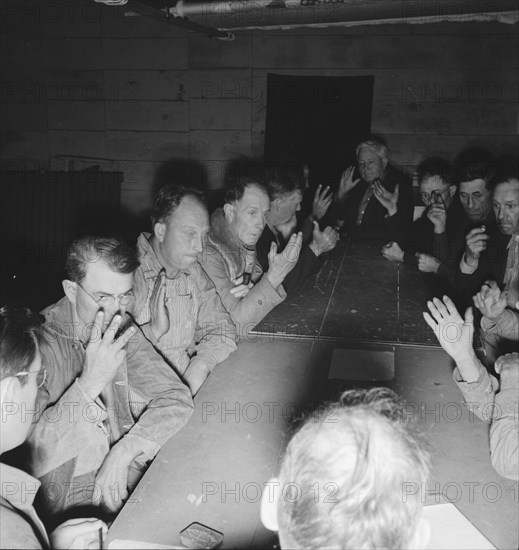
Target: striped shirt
[{"x": 198, "y": 321}]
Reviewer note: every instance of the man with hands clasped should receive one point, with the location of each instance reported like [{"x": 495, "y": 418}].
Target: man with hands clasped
[
  {"x": 21, "y": 374},
  {"x": 490, "y": 400},
  {"x": 110, "y": 401}
]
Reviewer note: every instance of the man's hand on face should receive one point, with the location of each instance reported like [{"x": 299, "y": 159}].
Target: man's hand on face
[
  {"x": 387, "y": 199},
  {"x": 392, "y": 252},
  {"x": 111, "y": 482},
  {"x": 347, "y": 182},
  {"x": 78, "y": 534},
  {"x": 427, "y": 263},
  {"x": 438, "y": 216},
  {"x": 490, "y": 300},
  {"x": 323, "y": 241},
  {"x": 280, "y": 265},
  {"x": 476, "y": 242},
  {"x": 103, "y": 355},
  {"x": 322, "y": 201},
  {"x": 159, "y": 318}
]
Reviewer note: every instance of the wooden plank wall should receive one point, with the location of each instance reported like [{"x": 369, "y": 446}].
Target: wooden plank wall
[{"x": 80, "y": 81}]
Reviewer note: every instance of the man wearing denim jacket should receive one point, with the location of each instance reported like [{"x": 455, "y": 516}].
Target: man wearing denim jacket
[{"x": 111, "y": 401}]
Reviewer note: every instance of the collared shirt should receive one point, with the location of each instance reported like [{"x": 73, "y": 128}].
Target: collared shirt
[
  {"x": 21, "y": 526},
  {"x": 198, "y": 321}
]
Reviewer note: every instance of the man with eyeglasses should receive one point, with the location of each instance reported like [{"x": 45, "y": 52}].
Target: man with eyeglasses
[
  {"x": 110, "y": 401},
  {"x": 21, "y": 375},
  {"x": 419, "y": 247}
]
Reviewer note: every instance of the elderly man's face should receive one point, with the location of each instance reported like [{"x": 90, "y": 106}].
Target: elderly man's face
[
  {"x": 506, "y": 206},
  {"x": 371, "y": 165},
  {"x": 283, "y": 209},
  {"x": 476, "y": 199},
  {"x": 248, "y": 215},
  {"x": 181, "y": 237}
]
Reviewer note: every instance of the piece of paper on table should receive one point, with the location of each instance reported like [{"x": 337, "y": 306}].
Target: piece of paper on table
[
  {"x": 120, "y": 544},
  {"x": 358, "y": 364},
  {"x": 451, "y": 530}
]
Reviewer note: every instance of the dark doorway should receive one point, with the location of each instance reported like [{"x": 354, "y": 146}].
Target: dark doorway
[{"x": 317, "y": 120}]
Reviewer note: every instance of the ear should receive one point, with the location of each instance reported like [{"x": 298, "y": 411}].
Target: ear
[
  {"x": 159, "y": 230},
  {"x": 422, "y": 534},
  {"x": 229, "y": 211},
  {"x": 70, "y": 289},
  {"x": 452, "y": 190},
  {"x": 385, "y": 160},
  {"x": 269, "y": 504}
]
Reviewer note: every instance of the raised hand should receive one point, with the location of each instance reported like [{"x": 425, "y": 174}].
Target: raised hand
[
  {"x": 322, "y": 201},
  {"x": 323, "y": 241},
  {"x": 438, "y": 216},
  {"x": 392, "y": 252},
  {"x": 280, "y": 265},
  {"x": 476, "y": 242},
  {"x": 103, "y": 355},
  {"x": 159, "y": 318},
  {"x": 347, "y": 182},
  {"x": 490, "y": 300},
  {"x": 427, "y": 263},
  {"x": 454, "y": 334},
  {"x": 386, "y": 198}
]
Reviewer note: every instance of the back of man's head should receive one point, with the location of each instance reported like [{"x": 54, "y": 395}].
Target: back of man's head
[
  {"x": 283, "y": 179},
  {"x": 119, "y": 257},
  {"x": 19, "y": 339},
  {"x": 344, "y": 476}
]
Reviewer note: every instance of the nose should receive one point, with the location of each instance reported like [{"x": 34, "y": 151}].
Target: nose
[
  {"x": 498, "y": 211},
  {"x": 470, "y": 202},
  {"x": 198, "y": 245}
]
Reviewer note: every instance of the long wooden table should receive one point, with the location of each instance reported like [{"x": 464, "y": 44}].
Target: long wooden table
[{"x": 213, "y": 471}]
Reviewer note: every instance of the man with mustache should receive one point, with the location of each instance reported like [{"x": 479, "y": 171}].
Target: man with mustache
[{"x": 110, "y": 401}]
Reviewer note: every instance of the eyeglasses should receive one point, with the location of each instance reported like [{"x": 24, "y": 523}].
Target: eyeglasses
[
  {"x": 41, "y": 375},
  {"x": 434, "y": 196},
  {"x": 106, "y": 300}
]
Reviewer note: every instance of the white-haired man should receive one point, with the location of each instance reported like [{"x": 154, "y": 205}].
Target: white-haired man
[
  {"x": 345, "y": 477},
  {"x": 381, "y": 192}
]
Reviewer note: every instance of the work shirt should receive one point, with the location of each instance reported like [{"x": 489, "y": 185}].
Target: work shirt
[
  {"x": 20, "y": 525},
  {"x": 198, "y": 322},
  {"x": 139, "y": 410}
]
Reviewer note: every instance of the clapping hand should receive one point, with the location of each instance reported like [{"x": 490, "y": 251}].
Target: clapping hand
[
  {"x": 386, "y": 198},
  {"x": 323, "y": 241},
  {"x": 427, "y": 263},
  {"x": 322, "y": 201},
  {"x": 347, "y": 182},
  {"x": 280, "y": 265},
  {"x": 490, "y": 300},
  {"x": 476, "y": 242},
  {"x": 240, "y": 290},
  {"x": 392, "y": 252}
]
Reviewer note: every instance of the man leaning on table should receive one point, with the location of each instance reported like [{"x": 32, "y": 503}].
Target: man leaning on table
[
  {"x": 176, "y": 303},
  {"x": 21, "y": 374},
  {"x": 491, "y": 400}
]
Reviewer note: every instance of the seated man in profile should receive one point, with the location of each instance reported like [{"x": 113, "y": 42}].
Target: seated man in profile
[
  {"x": 21, "y": 374},
  {"x": 229, "y": 256},
  {"x": 110, "y": 401},
  {"x": 346, "y": 476},
  {"x": 176, "y": 303},
  {"x": 285, "y": 187},
  {"x": 367, "y": 203},
  {"x": 492, "y": 401}
]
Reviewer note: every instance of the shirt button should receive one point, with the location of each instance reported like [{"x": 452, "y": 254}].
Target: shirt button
[
  {"x": 260, "y": 302},
  {"x": 75, "y": 346}
]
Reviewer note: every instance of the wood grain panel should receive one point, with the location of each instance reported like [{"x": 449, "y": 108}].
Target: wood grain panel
[
  {"x": 220, "y": 114},
  {"x": 147, "y": 115},
  {"x": 145, "y": 53},
  {"x": 147, "y": 146}
]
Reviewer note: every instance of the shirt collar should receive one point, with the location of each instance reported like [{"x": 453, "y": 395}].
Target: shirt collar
[{"x": 150, "y": 263}]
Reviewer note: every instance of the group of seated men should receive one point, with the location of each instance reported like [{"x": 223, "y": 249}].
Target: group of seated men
[{"x": 120, "y": 357}]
